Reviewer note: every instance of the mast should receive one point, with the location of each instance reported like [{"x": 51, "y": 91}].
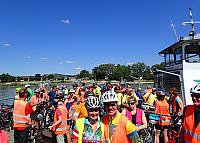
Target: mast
[{"x": 192, "y": 22}]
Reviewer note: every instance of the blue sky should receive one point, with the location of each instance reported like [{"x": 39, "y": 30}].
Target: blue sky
[{"x": 65, "y": 36}]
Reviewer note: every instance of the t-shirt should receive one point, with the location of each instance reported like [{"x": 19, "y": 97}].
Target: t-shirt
[
  {"x": 52, "y": 95},
  {"x": 177, "y": 101},
  {"x": 30, "y": 94},
  {"x": 88, "y": 136},
  {"x": 120, "y": 97},
  {"x": 58, "y": 112},
  {"x": 151, "y": 98},
  {"x": 81, "y": 110}
]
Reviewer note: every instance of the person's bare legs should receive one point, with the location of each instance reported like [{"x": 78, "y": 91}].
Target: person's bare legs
[
  {"x": 165, "y": 135},
  {"x": 158, "y": 136}
]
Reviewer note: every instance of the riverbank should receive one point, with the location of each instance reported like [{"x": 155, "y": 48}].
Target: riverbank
[{"x": 35, "y": 83}]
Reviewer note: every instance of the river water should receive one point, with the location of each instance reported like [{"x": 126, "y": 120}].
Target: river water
[{"x": 9, "y": 92}]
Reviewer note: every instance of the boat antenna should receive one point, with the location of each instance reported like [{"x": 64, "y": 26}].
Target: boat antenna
[
  {"x": 173, "y": 26},
  {"x": 192, "y": 22}
]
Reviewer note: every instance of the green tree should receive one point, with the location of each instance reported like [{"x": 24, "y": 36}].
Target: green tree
[
  {"x": 84, "y": 74},
  {"x": 120, "y": 71},
  {"x": 160, "y": 66},
  {"x": 140, "y": 70},
  {"x": 103, "y": 71},
  {"x": 50, "y": 76},
  {"x": 7, "y": 78},
  {"x": 38, "y": 77}
]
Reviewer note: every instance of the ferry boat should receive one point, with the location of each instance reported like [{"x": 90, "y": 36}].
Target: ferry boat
[{"x": 182, "y": 65}]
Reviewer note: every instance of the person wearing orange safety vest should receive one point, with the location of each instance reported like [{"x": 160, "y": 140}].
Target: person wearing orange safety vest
[
  {"x": 36, "y": 99},
  {"x": 190, "y": 127},
  {"x": 162, "y": 108},
  {"x": 21, "y": 116},
  {"x": 60, "y": 120},
  {"x": 117, "y": 127}
]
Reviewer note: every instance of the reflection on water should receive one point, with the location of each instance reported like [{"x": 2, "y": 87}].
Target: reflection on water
[{"x": 5, "y": 93}]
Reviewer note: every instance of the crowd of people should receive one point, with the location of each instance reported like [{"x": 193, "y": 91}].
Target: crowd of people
[{"x": 106, "y": 113}]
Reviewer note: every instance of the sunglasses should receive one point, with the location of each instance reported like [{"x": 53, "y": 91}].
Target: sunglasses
[
  {"x": 93, "y": 110},
  {"x": 131, "y": 103},
  {"x": 110, "y": 104}
]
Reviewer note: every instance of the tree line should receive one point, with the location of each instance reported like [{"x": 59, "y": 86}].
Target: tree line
[
  {"x": 102, "y": 72},
  {"x": 119, "y": 72}
]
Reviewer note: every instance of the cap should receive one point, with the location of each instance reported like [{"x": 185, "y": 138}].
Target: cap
[
  {"x": 153, "y": 89},
  {"x": 37, "y": 90}
]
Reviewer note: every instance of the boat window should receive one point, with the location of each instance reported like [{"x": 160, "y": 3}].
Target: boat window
[
  {"x": 167, "y": 81},
  {"x": 169, "y": 58},
  {"x": 192, "y": 53},
  {"x": 178, "y": 55}
]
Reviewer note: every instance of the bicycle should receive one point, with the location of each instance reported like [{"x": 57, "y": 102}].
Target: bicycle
[
  {"x": 6, "y": 117},
  {"x": 175, "y": 127}
]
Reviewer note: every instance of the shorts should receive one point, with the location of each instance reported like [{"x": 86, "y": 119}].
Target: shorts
[
  {"x": 159, "y": 127},
  {"x": 69, "y": 122},
  {"x": 21, "y": 136}
]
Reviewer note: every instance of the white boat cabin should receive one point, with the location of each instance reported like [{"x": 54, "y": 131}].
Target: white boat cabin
[{"x": 182, "y": 67}]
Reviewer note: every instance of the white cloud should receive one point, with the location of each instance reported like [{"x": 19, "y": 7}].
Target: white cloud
[
  {"x": 70, "y": 62},
  {"x": 78, "y": 68},
  {"x": 61, "y": 63},
  {"x": 43, "y": 58},
  {"x": 130, "y": 63},
  {"x": 27, "y": 57},
  {"x": 5, "y": 44},
  {"x": 65, "y": 21}
]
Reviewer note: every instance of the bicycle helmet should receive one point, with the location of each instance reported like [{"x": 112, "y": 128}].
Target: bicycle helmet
[
  {"x": 92, "y": 102},
  {"x": 71, "y": 91},
  {"x": 195, "y": 89},
  {"x": 18, "y": 89},
  {"x": 160, "y": 93},
  {"x": 109, "y": 96}
]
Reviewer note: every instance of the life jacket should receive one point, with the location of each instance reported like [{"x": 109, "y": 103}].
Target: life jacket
[
  {"x": 138, "y": 116},
  {"x": 19, "y": 117},
  {"x": 191, "y": 134},
  {"x": 80, "y": 127},
  {"x": 61, "y": 129},
  {"x": 119, "y": 135},
  {"x": 164, "y": 112}
]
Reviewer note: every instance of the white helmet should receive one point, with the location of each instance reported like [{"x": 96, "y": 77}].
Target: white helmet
[
  {"x": 71, "y": 91},
  {"x": 195, "y": 89},
  {"x": 92, "y": 102},
  {"x": 109, "y": 96}
]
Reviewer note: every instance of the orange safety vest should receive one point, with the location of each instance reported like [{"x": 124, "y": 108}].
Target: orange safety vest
[
  {"x": 119, "y": 135},
  {"x": 34, "y": 101},
  {"x": 19, "y": 117},
  {"x": 163, "y": 110},
  {"x": 61, "y": 129},
  {"x": 191, "y": 134}
]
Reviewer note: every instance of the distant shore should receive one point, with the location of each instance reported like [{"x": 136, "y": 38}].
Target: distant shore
[{"x": 68, "y": 82}]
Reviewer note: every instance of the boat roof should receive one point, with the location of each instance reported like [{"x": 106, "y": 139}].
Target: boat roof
[{"x": 180, "y": 43}]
